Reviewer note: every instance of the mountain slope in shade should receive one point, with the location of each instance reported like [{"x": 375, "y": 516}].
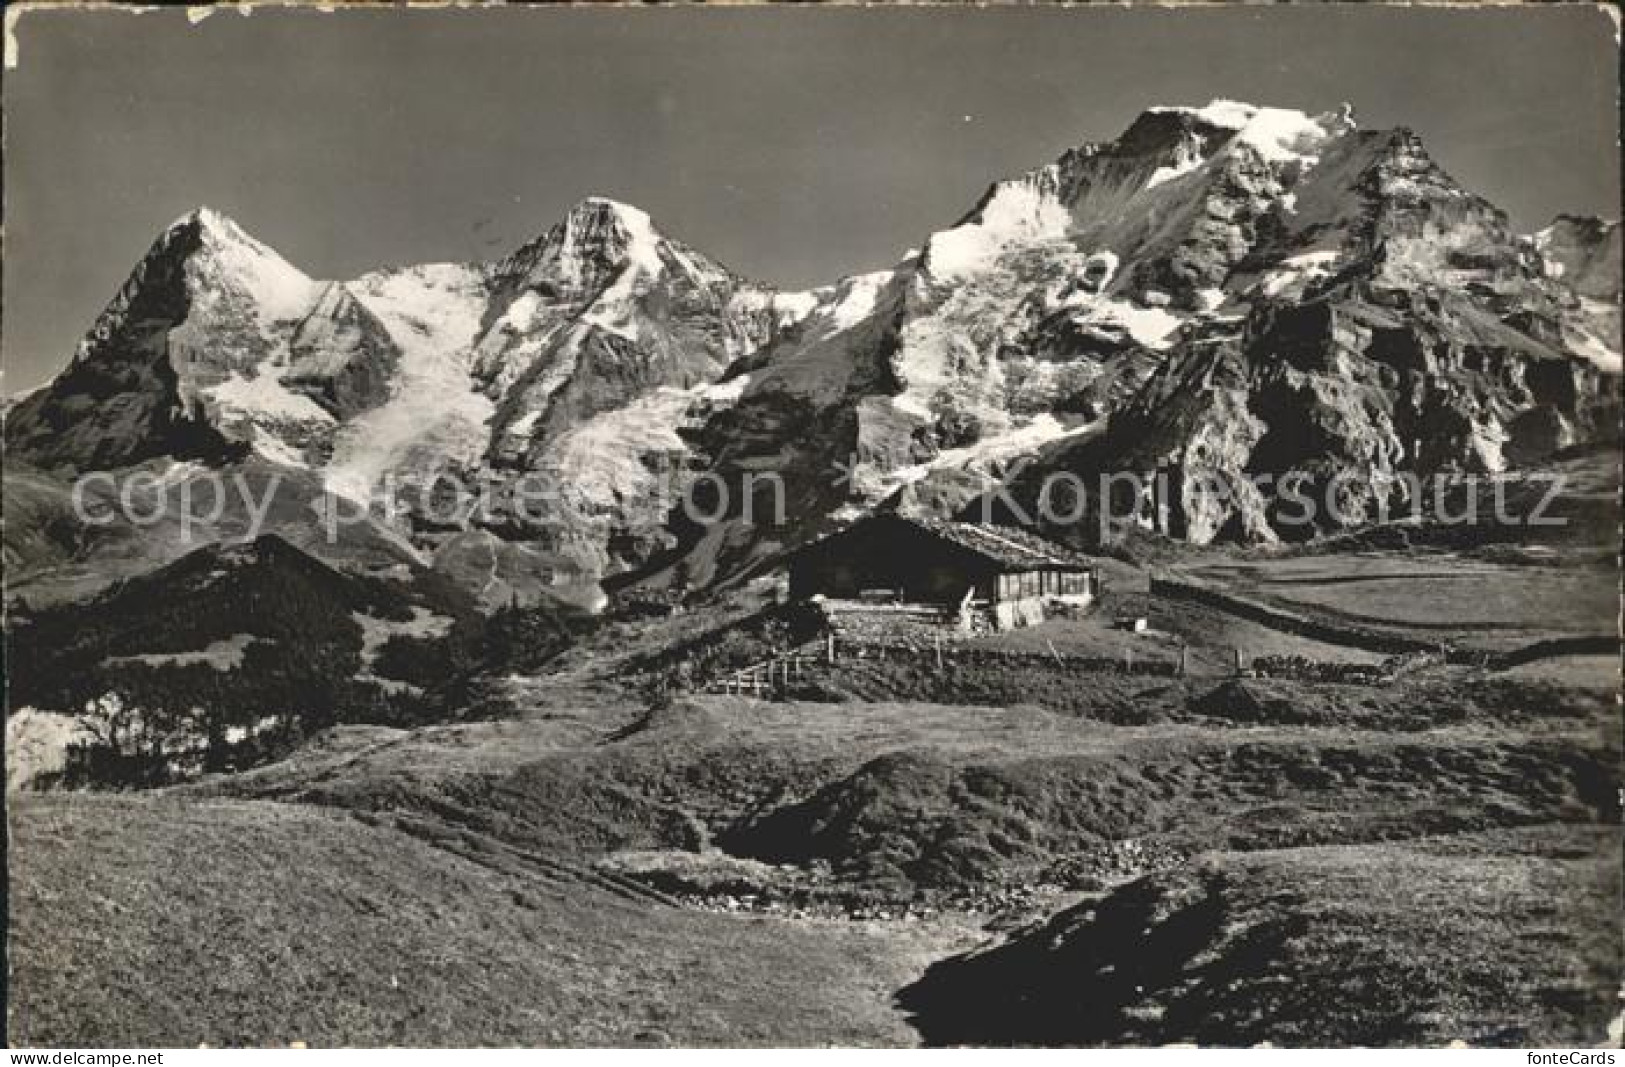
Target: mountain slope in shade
[
  {"x": 59, "y": 548},
  {"x": 1230, "y": 289},
  {"x": 227, "y": 654},
  {"x": 129, "y": 392},
  {"x": 1584, "y": 254},
  {"x": 340, "y": 355}
]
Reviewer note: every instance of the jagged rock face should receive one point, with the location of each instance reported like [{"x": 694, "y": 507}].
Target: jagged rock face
[
  {"x": 341, "y": 356},
  {"x": 189, "y": 358},
  {"x": 1344, "y": 396},
  {"x": 604, "y": 343},
  {"x": 122, "y": 399},
  {"x": 1221, "y": 291},
  {"x": 601, "y": 309},
  {"x": 1155, "y": 277},
  {"x": 1585, "y": 253},
  {"x": 1045, "y": 308}
]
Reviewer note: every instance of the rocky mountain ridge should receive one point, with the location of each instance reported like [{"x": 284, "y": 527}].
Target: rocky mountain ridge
[
  {"x": 1226, "y": 290},
  {"x": 550, "y": 361}
]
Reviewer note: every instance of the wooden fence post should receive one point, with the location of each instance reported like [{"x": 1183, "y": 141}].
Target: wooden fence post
[
  {"x": 1183, "y": 649},
  {"x": 829, "y": 647},
  {"x": 1237, "y": 653}
]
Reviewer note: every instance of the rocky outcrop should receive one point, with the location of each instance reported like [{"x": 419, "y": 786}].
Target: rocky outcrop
[
  {"x": 1335, "y": 413},
  {"x": 1584, "y": 253},
  {"x": 1225, "y": 295},
  {"x": 123, "y": 397},
  {"x": 603, "y": 350},
  {"x": 341, "y": 356}
]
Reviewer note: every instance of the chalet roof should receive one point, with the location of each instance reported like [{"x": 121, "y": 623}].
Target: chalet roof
[
  {"x": 1006, "y": 547},
  {"x": 1012, "y": 548}
]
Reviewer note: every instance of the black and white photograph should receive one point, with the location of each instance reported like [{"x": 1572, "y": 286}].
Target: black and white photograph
[{"x": 812, "y": 527}]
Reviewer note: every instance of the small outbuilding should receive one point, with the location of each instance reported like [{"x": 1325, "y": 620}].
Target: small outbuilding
[{"x": 963, "y": 568}]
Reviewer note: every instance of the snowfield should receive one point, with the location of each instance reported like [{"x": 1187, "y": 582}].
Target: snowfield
[
  {"x": 433, "y": 314},
  {"x": 1017, "y": 213},
  {"x": 279, "y": 292},
  {"x": 613, "y": 309},
  {"x": 264, "y": 395},
  {"x": 1297, "y": 273},
  {"x": 1280, "y": 135}
]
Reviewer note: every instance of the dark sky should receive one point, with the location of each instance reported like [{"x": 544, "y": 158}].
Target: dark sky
[{"x": 796, "y": 145}]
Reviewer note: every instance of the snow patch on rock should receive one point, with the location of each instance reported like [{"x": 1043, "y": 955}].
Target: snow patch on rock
[
  {"x": 1296, "y": 273},
  {"x": 1017, "y": 213},
  {"x": 264, "y": 395},
  {"x": 432, "y": 313},
  {"x": 613, "y": 310},
  {"x": 855, "y": 298},
  {"x": 1153, "y": 327},
  {"x": 1021, "y": 440},
  {"x": 1186, "y": 160},
  {"x": 279, "y": 291},
  {"x": 524, "y": 424},
  {"x": 793, "y": 307},
  {"x": 1280, "y": 135},
  {"x": 1590, "y": 344}
]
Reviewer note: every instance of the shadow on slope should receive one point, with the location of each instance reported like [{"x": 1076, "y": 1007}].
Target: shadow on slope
[
  {"x": 1507, "y": 939},
  {"x": 231, "y": 654}
]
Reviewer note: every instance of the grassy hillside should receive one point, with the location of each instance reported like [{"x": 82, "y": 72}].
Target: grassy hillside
[
  {"x": 898, "y": 799},
  {"x": 235, "y": 651},
  {"x": 1508, "y": 938},
  {"x": 41, "y": 528},
  {"x": 53, "y": 558},
  {"x": 162, "y": 922}
]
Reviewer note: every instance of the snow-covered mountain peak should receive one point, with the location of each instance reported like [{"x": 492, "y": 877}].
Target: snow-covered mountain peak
[
  {"x": 591, "y": 207},
  {"x": 280, "y": 291},
  {"x": 598, "y": 224},
  {"x": 597, "y": 240},
  {"x": 616, "y": 359},
  {"x": 1280, "y": 135},
  {"x": 205, "y": 217},
  {"x": 1238, "y": 115},
  {"x": 224, "y": 268}
]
